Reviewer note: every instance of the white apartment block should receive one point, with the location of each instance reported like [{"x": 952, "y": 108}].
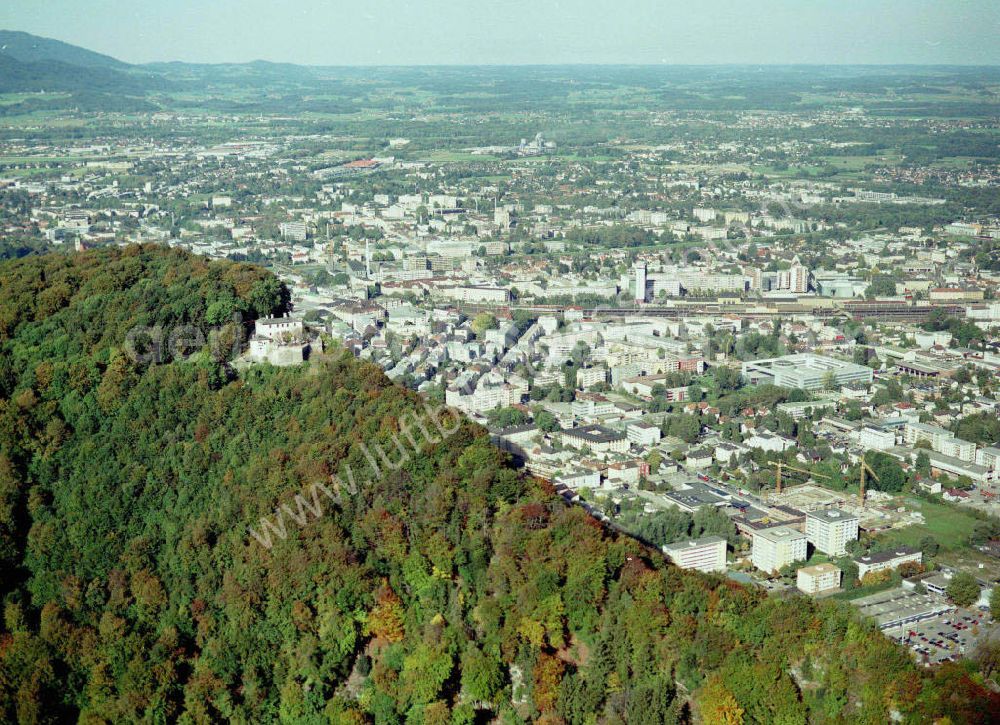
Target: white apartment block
[
  {"x": 670, "y": 287},
  {"x": 704, "y": 280},
  {"x": 957, "y": 448},
  {"x": 770, "y": 442},
  {"x": 442, "y": 201},
  {"x": 491, "y": 395},
  {"x": 876, "y": 439},
  {"x": 940, "y": 439},
  {"x": 794, "y": 279},
  {"x": 640, "y": 281},
  {"x": 591, "y": 404},
  {"x": 797, "y": 411},
  {"x": 813, "y": 580},
  {"x": 726, "y": 453},
  {"x": 914, "y": 433},
  {"x": 491, "y": 392},
  {"x": 476, "y": 294},
  {"x": 988, "y": 458},
  {"x": 710, "y": 233},
  {"x": 293, "y": 231},
  {"x": 829, "y": 530},
  {"x": 778, "y": 547},
  {"x": 589, "y": 377},
  {"x": 883, "y": 560},
  {"x": 643, "y": 434},
  {"x": 707, "y": 554},
  {"x": 643, "y": 386}
]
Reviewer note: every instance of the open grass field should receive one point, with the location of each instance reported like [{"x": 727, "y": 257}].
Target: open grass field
[
  {"x": 9, "y": 99},
  {"x": 953, "y": 163},
  {"x": 846, "y": 167},
  {"x": 951, "y": 527},
  {"x": 41, "y": 119},
  {"x": 446, "y": 156},
  {"x": 44, "y": 159}
]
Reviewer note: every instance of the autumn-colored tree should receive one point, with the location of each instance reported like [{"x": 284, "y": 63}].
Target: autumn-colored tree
[
  {"x": 548, "y": 673},
  {"x": 385, "y": 620},
  {"x": 910, "y": 568},
  {"x": 717, "y": 704}
]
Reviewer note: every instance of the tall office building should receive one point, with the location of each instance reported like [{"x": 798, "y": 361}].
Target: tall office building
[
  {"x": 794, "y": 279},
  {"x": 640, "y": 281}
]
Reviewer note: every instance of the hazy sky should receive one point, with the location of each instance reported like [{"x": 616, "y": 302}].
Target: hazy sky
[{"x": 363, "y": 32}]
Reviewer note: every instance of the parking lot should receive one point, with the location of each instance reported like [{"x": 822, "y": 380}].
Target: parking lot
[{"x": 946, "y": 637}]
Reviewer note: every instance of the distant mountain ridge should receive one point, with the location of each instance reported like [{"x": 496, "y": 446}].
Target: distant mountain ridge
[{"x": 76, "y": 79}]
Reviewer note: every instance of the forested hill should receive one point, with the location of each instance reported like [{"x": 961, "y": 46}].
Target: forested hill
[
  {"x": 453, "y": 590},
  {"x": 32, "y": 64},
  {"x": 28, "y": 48}
]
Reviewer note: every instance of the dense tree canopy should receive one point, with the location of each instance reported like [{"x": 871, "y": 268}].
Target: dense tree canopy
[
  {"x": 981, "y": 428},
  {"x": 889, "y": 475}
]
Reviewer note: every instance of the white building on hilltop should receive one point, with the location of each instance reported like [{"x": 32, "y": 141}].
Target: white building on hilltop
[
  {"x": 279, "y": 340},
  {"x": 278, "y": 328}
]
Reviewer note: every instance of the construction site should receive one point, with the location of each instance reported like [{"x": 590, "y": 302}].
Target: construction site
[
  {"x": 875, "y": 510},
  {"x": 879, "y": 513}
]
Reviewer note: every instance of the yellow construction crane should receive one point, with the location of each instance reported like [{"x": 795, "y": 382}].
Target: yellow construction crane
[
  {"x": 865, "y": 468},
  {"x": 781, "y": 465}
]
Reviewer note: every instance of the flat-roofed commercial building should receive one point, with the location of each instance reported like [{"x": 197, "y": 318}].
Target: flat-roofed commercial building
[
  {"x": 598, "y": 438},
  {"x": 806, "y": 371},
  {"x": 900, "y": 606},
  {"x": 778, "y": 547},
  {"x": 707, "y": 554},
  {"x": 818, "y": 578},
  {"x": 829, "y": 530},
  {"x": 952, "y": 466},
  {"x": 694, "y": 495}
]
